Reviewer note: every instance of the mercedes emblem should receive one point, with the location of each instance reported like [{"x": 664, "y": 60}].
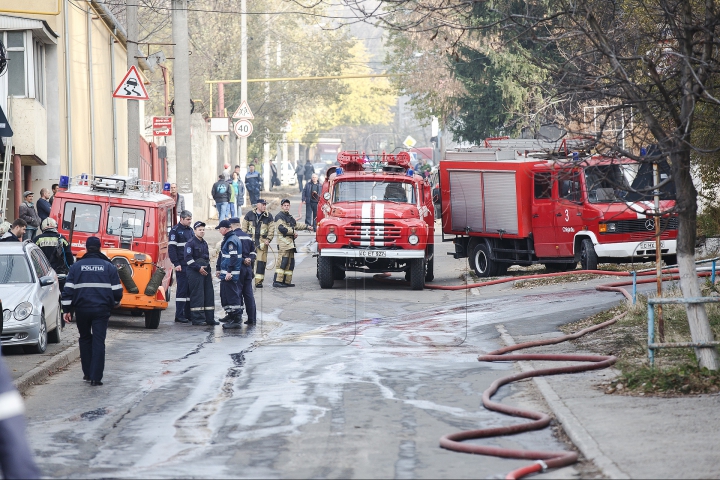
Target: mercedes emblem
[{"x": 649, "y": 224}]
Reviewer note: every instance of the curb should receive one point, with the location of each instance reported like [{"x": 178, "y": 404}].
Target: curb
[
  {"x": 40, "y": 373},
  {"x": 572, "y": 426}
]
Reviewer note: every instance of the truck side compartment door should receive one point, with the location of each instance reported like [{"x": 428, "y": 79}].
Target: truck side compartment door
[
  {"x": 568, "y": 211},
  {"x": 543, "y": 213}
]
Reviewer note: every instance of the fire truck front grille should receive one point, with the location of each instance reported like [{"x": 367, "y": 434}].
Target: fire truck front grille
[
  {"x": 645, "y": 225},
  {"x": 361, "y": 233}
]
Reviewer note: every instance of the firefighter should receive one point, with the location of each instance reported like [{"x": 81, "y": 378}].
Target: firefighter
[
  {"x": 180, "y": 234},
  {"x": 55, "y": 248},
  {"x": 258, "y": 223},
  {"x": 92, "y": 290},
  {"x": 202, "y": 296},
  {"x": 287, "y": 228},
  {"x": 228, "y": 271},
  {"x": 246, "y": 270}
]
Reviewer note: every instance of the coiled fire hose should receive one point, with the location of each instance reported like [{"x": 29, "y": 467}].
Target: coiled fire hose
[
  {"x": 125, "y": 273},
  {"x": 156, "y": 280},
  {"x": 545, "y": 459}
]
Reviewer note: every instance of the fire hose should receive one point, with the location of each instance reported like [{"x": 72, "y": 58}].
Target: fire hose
[{"x": 544, "y": 459}]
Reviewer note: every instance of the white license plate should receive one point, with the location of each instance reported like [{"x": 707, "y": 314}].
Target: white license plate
[
  {"x": 649, "y": 246},
  {"x": 373, "y": 253}
]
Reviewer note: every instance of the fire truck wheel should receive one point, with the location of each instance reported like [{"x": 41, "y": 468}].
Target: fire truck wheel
[
  {"x": 429, "y": 270},
  {"x": 588, "y": 257},
  {"x": 417, "y": 273},
  {"x": 325, "y": 272},
  {"x": 481, "y": 263},
  {"x": 152, "y": 319}
]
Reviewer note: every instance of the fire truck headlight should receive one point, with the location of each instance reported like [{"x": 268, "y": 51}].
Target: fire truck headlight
[
  {"x": 611, "y": 227},
  {"x": 331, "y": 237},
  {"x": 413, "y": 239}
]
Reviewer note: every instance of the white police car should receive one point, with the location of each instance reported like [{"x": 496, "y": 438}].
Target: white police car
[{"x": 30, "y": 296}]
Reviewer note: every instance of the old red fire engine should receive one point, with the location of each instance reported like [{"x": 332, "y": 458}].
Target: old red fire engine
[
  {"x": 375, "y": 215},
  {"x": 522, "y": 202}
]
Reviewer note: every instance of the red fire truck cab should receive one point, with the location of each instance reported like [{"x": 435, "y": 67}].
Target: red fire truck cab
[
  {"x": 375, "y": 215},
  {"x": 123, "y": 212},
  {"x": 512, "y": 203}
]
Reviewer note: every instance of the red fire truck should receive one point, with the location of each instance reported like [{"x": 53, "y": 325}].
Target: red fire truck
[
  {"x": 522, "y": 202},
  {"x": 375, "y": 215},
  {"x": 123, "y": 212}
]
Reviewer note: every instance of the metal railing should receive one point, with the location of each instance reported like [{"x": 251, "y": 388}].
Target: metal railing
[
  {"x": 713, "y": 270},
  {"x": 652, "y": 346}
]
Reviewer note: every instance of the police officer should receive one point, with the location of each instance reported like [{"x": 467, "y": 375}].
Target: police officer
[
  {"x": 246, "y": 270},
  {"x": 55, "y": 248},
  {"x": 202, "y": 296},
  {"x": 228, "y": 271},
  {"x": 258, "y": 224},
  {"x": 92, "y": 289},
  {"x": 287, "y": 228},
  {"x": 179, "y": 236}
]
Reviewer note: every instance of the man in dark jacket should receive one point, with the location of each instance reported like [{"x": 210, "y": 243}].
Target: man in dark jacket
[
  {"x": 16, "y": 232},
  {"x": 221, "y": 194},
  {"x": 253, "y": 184},
  {"x": 202, "y": 295},
  {"x": 56, "y": 248},
  {"x": 180, "y": 234},
  {"x": 311, "y": 197},
  {"x": 300, "y": 174},
  {"x": 28, "y": 213},
  {"x": 246, "y": 271},
  {"x": 16, "y": 459},
  {"x": 43, "y": 204},
  {"x": 92, "y": 290},
  {"x": 309, "y": 170}
]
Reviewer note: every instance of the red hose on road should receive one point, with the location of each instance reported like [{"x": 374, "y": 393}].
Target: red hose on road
[{"x": 545, "y": 459}]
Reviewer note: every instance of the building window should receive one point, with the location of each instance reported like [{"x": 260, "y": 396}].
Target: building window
[
  {"x": 39, "y": 61},
  {"x": 17, "y": 84}
]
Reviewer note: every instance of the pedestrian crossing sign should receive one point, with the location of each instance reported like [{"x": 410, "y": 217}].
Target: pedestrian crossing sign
[
  {"x": 243, "y": 111},
  {"x": 131, "y": 86}
]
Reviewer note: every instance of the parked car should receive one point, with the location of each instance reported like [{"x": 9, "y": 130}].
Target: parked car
[{"x": 30, "y": 297}]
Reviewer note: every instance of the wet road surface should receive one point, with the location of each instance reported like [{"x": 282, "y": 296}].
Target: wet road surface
[{"x": 359, "y": 381}]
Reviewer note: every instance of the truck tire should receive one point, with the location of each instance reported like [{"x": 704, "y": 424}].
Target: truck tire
[
  {"x": 417, "y": 273},
  {"x": 588, "y": 257},
  {"x": 152, "y": 319},
  {"x": 325, "y": 272},
  {"x": 480, "y": 261}
]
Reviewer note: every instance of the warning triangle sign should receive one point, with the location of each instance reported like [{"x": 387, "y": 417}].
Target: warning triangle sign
[
  {"x": 131, "y": 86},
  {"x": 243, "y": 111}
]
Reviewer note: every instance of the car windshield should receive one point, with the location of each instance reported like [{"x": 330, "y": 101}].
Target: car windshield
[
  {"x": 14, "y": 269},
  {"x": 398, "y": 192}
]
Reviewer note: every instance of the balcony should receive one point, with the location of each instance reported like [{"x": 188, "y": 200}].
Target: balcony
[{"x": 29, "y": 122}]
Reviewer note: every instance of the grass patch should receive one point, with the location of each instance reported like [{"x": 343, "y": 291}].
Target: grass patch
[
  {"x": 539, "y": 282},
  {"x": 675, "y": 372}
]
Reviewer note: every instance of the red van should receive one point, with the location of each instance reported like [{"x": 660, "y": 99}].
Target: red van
[{"x": 123, "y": 212}]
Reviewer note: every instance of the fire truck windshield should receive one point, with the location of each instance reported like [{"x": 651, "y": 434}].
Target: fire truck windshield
[
  {"x": 626, "y": 182},
  {"x": 365, "y": 191}
]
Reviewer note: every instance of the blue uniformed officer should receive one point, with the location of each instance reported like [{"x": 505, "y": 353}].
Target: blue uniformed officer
[
  {"x": 92, "y": 290},
  {"x": 246, "y": 271},
  {"x": 16, "y": 460},
  {"x": 179, "y": 235},
  {"x": 202, "y": 296},
  {"x": 228, "y": 271}
]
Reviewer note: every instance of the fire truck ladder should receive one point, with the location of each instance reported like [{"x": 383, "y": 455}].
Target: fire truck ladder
[{"x": 5, "y": 163}]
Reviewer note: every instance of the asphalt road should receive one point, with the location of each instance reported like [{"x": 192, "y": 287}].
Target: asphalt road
[{"x": 359, "y": 381}]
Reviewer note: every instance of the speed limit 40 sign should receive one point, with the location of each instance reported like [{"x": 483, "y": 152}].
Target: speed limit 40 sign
[{"x": 243, "y": 128}]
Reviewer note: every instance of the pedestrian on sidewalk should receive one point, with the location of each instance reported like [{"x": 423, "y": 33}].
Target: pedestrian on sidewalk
[
  {"x": 300, "y": 174},
  {"x": 43, "y": 204},
  {"x": 239, "y": 188},
  {"x": 274, "y": 180},
  {"x": 287, "y": 228},
  {"x": 28, "y": 213},
  {"x": 92, "y": 290},
  {"x": 54, "y": 188},
  {"x": 258, "y": 224},
  {"x": 180, "y": 234},
  {"x": 179, "y": 201},
  {"x": 233, "y": 199},
  {"x": 311, "y": 197},
  {"x": 202, "y": 295},
  {"x": 309, "y": 170},
  {"x": 221, "y": 194},
  {"x": 16, "y": 231},
  {"x": 254, "y": 184}
]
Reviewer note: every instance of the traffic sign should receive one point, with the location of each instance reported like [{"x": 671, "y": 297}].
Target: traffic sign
[
  {"x": 131, "y": 86},
  {"x": 409, "y": 142},
  {"x": 162, "y": 126},
  {"x": 243, "y": 111},
  {"x": 243, "y": 128}
]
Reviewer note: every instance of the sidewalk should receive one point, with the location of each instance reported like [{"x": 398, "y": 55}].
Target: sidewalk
[{"x": 630, "y": 436}]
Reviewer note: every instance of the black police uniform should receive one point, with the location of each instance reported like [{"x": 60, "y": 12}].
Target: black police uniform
[
  {"x": 229, "y": 261},
  {"x": 179, "y": 236},
  {"x": 202, "y": 295},
  {"x": 91, "y": 291},
  {"x": 245, "y": 280},
  {"x": 16, "y": 459}
]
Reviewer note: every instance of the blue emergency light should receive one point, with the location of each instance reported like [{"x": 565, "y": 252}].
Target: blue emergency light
[
  {"x": 410, "y": 172},
  {"x": 166, "y": 187},
  {"x": 338, "y": 171},
  {"x": 64, "y": 182},
  {"x": 643, "y": 151}
]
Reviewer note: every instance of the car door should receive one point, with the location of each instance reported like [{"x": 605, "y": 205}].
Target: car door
[
  {"x": 543, "y": 214},
  {"x": 568, "y": 211},
  {"x": 48, "y": 295}
]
